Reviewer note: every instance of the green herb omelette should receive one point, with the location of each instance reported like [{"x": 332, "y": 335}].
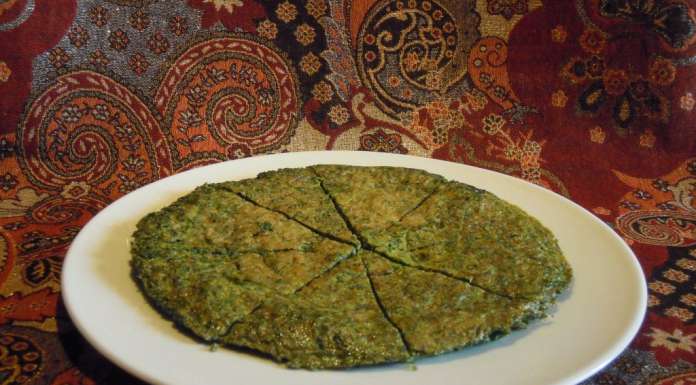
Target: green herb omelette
[{"x": 335, "y": 266}]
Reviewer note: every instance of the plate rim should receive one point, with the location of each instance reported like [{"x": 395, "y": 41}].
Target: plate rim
[{"x": 580, "y": 374}]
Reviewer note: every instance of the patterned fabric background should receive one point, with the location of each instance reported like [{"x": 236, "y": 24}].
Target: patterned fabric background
[{"x": 594, "y": 99}]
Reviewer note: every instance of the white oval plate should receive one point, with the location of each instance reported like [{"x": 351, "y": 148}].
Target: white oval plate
[{"x": 592, "y": 323}]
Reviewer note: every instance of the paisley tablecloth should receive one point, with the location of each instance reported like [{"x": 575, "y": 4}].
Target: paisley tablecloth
[{"x": 594, "y": 99}]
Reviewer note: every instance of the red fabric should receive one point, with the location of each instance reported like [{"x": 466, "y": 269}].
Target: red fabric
[{"x": 594, "y": 99}]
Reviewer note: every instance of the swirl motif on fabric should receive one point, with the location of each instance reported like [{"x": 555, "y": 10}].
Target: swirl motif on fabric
[
  {"x": 659, "y": 228},
  {"x": 88, "y": 128},
  {"x": 409, "y": 54},
  {"x": 488, "y": 70},
  {"x": 235, "y": 89}
]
